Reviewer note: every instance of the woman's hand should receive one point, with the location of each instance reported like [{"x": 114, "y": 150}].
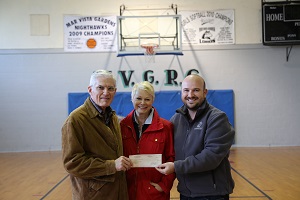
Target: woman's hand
[{"x": 156, "y": 186}]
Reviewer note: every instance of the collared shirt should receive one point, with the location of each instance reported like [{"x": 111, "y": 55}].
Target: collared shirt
[
  {"x": 144, "y": 126},
  {"x": 105, "y": 115}
]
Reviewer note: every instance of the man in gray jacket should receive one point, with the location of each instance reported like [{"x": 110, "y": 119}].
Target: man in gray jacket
[{"x": 202, "y": 137}]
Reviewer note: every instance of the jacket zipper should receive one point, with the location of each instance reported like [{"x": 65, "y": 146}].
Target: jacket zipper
[{"x": 214, "y": 179}]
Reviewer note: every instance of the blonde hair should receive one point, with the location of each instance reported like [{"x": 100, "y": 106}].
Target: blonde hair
[{"x": 144, "y": 85}]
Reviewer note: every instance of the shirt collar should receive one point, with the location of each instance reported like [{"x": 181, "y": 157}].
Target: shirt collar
[
  {"x": 97, "y": 107},
  {"x": 148, "y": 120},
  {"x": 106, "y": 115}
]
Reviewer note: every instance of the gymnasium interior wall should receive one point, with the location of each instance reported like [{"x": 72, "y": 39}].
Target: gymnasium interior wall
[{"x": 36, "y": 74}]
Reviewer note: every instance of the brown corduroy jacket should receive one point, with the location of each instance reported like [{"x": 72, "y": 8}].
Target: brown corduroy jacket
[{"x": 89, "y": 148}]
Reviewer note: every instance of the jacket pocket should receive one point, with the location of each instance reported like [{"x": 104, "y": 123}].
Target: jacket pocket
[
  {"x": 151, "y": 191},
  {"x": 201, "y": 183},
  {"x": 96, "y": 185},
  {"x": 153, "y": 143}
]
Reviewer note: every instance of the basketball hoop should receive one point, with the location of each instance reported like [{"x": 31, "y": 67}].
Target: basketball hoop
[{"x": 149, "y": 51}]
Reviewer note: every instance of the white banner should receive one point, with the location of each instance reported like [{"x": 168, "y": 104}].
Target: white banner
[
  {"x": 208, "y": 27},
  {"x": 90, "y": 33}
]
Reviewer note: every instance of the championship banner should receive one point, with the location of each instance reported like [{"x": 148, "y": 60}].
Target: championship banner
[
  {"x": 208, "y": 27},
  {"x": 90, "y": 33}
]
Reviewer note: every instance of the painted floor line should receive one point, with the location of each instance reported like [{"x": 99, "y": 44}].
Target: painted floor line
[
  {"x": 54, "y": 187},
  {"x": 251, "y": 184}
]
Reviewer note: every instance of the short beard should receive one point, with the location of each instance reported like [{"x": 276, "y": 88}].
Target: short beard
[{"x": 194, "y": 108}]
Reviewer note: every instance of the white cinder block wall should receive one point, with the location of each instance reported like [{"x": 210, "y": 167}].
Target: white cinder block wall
[{"x": 36, "y": 74}]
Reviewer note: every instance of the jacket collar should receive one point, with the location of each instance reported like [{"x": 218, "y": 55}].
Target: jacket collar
[
  {"x": 156, "y": 124},
  {"x": 184, "y": 110},
  {"x": 149, "y": 118},
  {"x": 93, "y": 111}
]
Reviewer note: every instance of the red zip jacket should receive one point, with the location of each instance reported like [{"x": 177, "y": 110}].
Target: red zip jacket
[{"x": 156, "y": 139}]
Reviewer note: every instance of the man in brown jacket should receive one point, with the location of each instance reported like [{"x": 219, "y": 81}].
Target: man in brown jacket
[{"x": 92, "y": 145}]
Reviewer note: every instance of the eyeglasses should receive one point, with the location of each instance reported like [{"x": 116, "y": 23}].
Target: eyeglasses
[{"x": 109, "y": 88}]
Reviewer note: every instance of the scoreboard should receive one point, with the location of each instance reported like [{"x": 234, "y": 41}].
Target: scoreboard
[{"x": 281, "y": 23}]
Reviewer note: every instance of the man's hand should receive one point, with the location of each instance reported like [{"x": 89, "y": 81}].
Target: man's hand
[
  {"x": 166, "y": 168},
  {"x": 123, "y": 163}
]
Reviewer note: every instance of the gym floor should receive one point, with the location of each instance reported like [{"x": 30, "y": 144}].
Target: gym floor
[{"x": 259, "y": 174}]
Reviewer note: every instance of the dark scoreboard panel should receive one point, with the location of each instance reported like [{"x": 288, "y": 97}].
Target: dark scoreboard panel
[{"x": 281, "y": 24}]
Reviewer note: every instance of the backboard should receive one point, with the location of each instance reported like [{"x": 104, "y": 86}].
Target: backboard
[{"x": 162, "y": 30}]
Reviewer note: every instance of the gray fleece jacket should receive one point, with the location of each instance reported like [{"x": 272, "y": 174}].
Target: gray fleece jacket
[{"x": 202, "y": 149}]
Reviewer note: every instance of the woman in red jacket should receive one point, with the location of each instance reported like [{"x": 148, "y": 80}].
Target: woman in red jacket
[{"x": 144, "y": 132}]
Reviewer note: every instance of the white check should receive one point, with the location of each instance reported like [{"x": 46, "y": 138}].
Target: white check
[{"x": 146, "y": 160}]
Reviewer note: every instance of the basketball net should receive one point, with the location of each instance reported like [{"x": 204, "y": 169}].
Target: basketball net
[{"x": 149, "y": 52}]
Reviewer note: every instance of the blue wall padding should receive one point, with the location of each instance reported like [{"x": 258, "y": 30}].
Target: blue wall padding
[{"x": 166, "y": 102}]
